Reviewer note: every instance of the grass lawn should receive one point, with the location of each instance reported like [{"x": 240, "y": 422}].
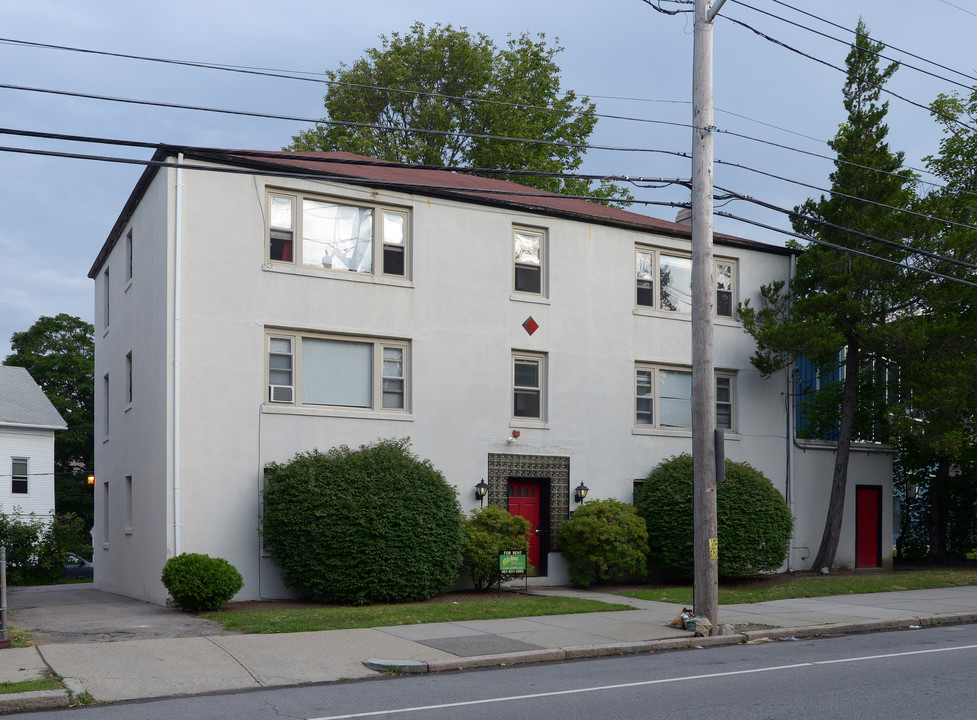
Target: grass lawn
[
  {"x": 45, "y": 683},
  {"x": 331, "y": 617},
  {"x": 780, "y": 587}
]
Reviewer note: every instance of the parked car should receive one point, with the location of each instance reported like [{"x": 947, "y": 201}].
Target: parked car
[{"x": 75, "y": 566}]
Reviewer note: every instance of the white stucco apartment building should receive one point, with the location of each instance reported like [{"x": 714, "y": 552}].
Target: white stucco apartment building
[
  {"x": 250, "y": 306},
  {"x": 28, "y": 422}
]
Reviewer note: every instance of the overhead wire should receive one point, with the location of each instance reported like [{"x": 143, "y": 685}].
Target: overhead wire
[
  {"x": 879, "y": 55},
  {"x": 879, "y": 87}
]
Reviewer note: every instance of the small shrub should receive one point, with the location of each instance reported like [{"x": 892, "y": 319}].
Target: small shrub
[
  {"x": 375, "y": 524},
  {"x": 488, "y": 531},
  {"x": 200, "y": 582},
  {"x": 604, "y": 538},
  {"x": 754, "y": 523}
]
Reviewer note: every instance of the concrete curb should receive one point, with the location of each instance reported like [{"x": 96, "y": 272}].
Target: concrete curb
[
  {"x": 577, "y": 652},
  {"x": 36, "y": 700}
]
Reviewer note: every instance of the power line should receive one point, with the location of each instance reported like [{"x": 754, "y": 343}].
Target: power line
[
  {"x": 841, "y": 248},
  {"x": 849, "y": 231},
  {"x": 527, "y": 192},
  {"x": 301, "y": 75},
  {"x": 341, "y": 123},
  {"x": 857, "y": 34},
  {"x": 881, "y": 88}
]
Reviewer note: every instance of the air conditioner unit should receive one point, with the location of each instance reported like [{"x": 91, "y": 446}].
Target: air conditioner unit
[{"x": 280, "y": 393}]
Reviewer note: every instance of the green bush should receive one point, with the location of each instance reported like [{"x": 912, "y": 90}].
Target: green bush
[
  {"x": 36, "y": 548},
  {"x": 488, "y": 531},
  {"x": 753, "y": 520},
  {"x": 200, "y": 582},
  {"x": 375, "y": 524},
  {"x": 604, "y": 538}
]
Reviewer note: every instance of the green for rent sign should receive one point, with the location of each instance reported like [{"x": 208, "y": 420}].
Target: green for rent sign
[{"x": 512, "y": 561}]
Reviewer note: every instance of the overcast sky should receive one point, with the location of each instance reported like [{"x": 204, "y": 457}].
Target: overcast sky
[{"x": 630, "y": 59}]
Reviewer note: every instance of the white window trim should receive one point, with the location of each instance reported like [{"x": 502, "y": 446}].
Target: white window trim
[
  {"x": 656, "y": 309},
  {"x": 541, "y": 360},
  {"x": 377, "y": 242},
  {"x": 543, "y": 236},
  {"x": 655, "y": 425},
  {"x": 375, "y": 409},
  {"x": 26, "y": 477}
]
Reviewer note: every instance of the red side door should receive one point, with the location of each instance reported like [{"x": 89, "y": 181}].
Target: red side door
[
  {"x": 868, "y": 527},
  {"x": 524, "y": 501}
]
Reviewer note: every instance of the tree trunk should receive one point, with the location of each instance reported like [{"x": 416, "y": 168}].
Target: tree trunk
[
  {"x": 825, "y": 556},
  {"x": 936, "y": 521}
]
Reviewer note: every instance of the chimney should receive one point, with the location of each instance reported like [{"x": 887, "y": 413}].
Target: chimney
[{"x": 684, "y": 217}]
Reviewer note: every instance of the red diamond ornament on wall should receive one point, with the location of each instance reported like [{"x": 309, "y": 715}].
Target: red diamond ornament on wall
[{"x": 530, "y": 325}]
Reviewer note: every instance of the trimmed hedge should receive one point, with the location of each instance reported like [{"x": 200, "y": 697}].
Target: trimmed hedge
[
  {"x": 604, "y": 538},
  {"x": 754, "y": 522},
  {"x": 488, "y": 531},
  {"x": 375, "y": 524},
  {"x": 200, "y": 582}
]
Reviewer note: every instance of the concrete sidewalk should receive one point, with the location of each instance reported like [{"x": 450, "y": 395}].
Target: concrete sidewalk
[{"x": 197, "y": 658}]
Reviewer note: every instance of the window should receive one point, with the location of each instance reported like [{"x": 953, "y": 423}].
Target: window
[
  {"x": 105, "y": 296},
  {"x": 105, "y": 514},
  {"x": 528, "y": 250},
  {"x": 320, "y": 233},
  {"x": 18, "y": 475},
  {"x": 663, "y": 398},
  {"x": 338, "y": 371},
  {"x": 129, "y": 378},
  {"x": 105, "y": 406},
  {"x": 528, "y": 372},
  {"x": 281, "y": 387},
  {"x": 128, "y": 499},
  {"x": 673, "y": 274},
  {"x": 129, "y": 255}
]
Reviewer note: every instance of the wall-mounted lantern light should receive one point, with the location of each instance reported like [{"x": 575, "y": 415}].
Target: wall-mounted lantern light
[
  {"x": 481, "y": 490},
  {"x": 581, "y": 492}
]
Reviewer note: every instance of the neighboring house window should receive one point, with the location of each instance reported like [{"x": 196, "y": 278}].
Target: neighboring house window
[
  {"x": 324, "y": 234},
  {"x": 528, "y": 386},
  {"x": 18, "y": 482},
  {"x": 529, "y": 256},
  {"x": 663, "y": 281},
  {"x": 663, "y": 398},
  {"x": 338, "y": 371},
  {"x": 129, "y": 378},
  {"x": 129, "y": 255}
]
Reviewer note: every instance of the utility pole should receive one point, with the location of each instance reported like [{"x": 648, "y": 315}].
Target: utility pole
[{"x": 705, "y": 540}]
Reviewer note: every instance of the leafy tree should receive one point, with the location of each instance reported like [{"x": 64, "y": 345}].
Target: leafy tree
[
  {"x": 838, "y": 308},
  {"x": 59, "y": 353},
  {"x": 488, "y": 531},
  {"x": 604, "y": 538},
  {"x": 36, "y": 548},
  {"x": 375, "y": 524},
  {"x": 443, "y": 96},
  {"x": 937, "y": 348}
]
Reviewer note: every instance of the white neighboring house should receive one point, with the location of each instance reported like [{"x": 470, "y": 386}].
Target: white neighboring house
[
  {"x": 28, "y": 422},
  {"x": 250, "y": 306}
]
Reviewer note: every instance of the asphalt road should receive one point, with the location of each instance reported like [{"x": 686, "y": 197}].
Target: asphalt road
[{"x": 917, "y": 674}]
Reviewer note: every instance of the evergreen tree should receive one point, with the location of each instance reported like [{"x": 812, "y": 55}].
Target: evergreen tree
[{"x": 837, "y": 308}]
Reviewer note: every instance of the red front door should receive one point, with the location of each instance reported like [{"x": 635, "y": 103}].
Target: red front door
[
  {"x": 524, "y": 501},
  {"x": 868, "y": 521}
]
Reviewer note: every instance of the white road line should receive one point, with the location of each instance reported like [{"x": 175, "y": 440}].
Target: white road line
[{"x": 597, "y": 688}]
